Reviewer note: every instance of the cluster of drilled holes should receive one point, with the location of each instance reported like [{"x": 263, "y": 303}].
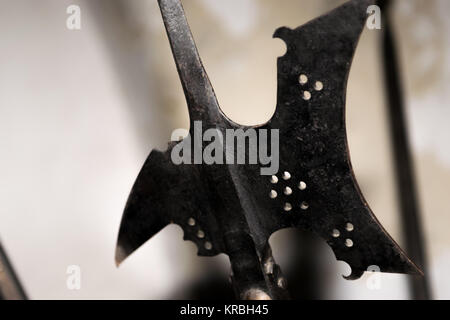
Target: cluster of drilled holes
[
  {"x": 303, "y": 80},
  {"x": 336, "y": 234},
  {"x": 200, "y": 233},
  {"x": 287, "y": 191}
]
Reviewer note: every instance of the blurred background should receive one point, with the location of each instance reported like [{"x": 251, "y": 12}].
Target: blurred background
[{"x": 80, "y": 110}]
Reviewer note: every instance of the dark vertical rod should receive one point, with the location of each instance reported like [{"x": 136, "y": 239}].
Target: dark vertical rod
[
  {"x": 403, "y": 161},
  {"x": 10, "y": 287},
  {"x": 257, "y": 279}
]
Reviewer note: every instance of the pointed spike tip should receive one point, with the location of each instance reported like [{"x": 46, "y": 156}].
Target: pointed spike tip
[{"x": 120, "y": 256}]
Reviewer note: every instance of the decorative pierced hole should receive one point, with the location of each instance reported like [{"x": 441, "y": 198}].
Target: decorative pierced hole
[
  {"x": 286, "y": 175},
  {"x": 287, "y": 191},
  {"x": 287, "y": 207},
  {"x": 336, "y": 233},
  {"x": 302, "y": 185},
  {"x": 191, "y": 222},
  {"x": 318, "y": 86},
  {"x": 303, "y": 79},
  {"x": 349, "y": 227},
  {"x": 273, "y": 194},
  {"x": 208, "y": 245},
  {"x": 304, "y": 205},
  {"x": 306, "y": 95},
  {"x": 349, "y": 243},
  {"x": 274, "y": 180},
  {"x": 200, "y": 234}
]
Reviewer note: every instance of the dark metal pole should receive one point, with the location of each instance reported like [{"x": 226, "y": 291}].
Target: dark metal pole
[
  {"x": 257, "y": 280},
  {"x": 403, "y": 161},
  {"x": 10, "y": 287}
]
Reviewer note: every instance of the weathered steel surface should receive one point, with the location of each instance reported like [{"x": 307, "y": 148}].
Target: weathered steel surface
[{"x": 231, "y": 203}]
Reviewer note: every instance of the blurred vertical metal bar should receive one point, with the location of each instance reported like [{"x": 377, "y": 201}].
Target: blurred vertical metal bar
[
  {"x": 10, "y": 287},
  {"x": 403, "y": 161}
]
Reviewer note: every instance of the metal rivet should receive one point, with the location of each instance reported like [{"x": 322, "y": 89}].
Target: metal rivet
[
  {"x": 287, "y": 191},
  {"x": 274, "y": 179},
  {"x": 287, "y": 207},
  {"x": 273, "y": 194},
  {"x": 349, "y": 227},
  {"x": 191, "y": 222},
  {"x": 208, "y": 245},
  {"x": 304, "y": 205}
]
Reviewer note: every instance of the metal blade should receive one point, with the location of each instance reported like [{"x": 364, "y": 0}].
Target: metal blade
[
  {"x": 200, "y": 96},
  {"x": 232, "y": 208}
]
